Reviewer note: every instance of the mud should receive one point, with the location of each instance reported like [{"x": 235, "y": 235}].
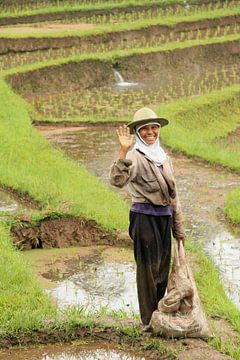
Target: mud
[
  {"x": 90, "y": 74},
  {"x": 71, "y": 352},
  {"x": 113, "y": 39},
  {"x": 61, "y": 232}
]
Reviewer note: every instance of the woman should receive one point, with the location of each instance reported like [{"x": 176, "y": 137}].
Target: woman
[{"x": 155, "y": 209}]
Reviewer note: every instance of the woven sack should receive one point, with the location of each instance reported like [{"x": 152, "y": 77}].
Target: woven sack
[{"x": 180, "y": 313}]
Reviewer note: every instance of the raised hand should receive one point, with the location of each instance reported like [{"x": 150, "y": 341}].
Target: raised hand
[{"x": 125, "y": 139}]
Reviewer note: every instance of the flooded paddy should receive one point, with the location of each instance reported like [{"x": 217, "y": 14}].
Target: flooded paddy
[
  {"x": 108, "y": 102},
  {"x": 94, "y": 278},
  {"x": 202, "y": 190},
  {"x": 70, "y": 352}
]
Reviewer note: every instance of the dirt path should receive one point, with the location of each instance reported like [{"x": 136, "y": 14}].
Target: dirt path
[{"x": 43, "y": 28}]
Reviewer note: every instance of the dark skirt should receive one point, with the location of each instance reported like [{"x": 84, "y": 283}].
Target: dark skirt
[{"x": 152, "y": 252}]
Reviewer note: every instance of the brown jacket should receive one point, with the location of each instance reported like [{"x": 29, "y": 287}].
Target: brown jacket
[{"x": 146, "y": 184}]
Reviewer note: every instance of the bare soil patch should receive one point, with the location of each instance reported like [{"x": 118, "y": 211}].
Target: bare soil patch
[
  {"x": 43, "y": 28},
  {"x": 61, "y": 232}
]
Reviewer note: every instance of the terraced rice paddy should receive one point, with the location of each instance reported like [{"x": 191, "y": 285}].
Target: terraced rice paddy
[
  {"x": 99, "y": 61},
  {"x": 115, "y": 102},
  {"x": 90, "y": 45}
]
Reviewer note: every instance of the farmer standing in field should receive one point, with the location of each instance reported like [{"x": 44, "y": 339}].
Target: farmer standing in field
[{"x": 155, "y": 209}]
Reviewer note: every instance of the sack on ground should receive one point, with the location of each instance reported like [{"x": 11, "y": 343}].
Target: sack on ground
[{"x": 180, "y": 313}]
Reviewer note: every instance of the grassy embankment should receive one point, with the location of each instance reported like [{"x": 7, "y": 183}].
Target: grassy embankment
[
  {"x": 143, "y": 23},
  {"x": 107, "y": 5},
  {"x": 29, "y": 164},
  {"x": 24, "y": 153},
  {"x": 113, "y": 56},
  {"x": 206, "y": 123}
]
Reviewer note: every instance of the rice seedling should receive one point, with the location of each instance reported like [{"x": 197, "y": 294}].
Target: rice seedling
[
  {"x": 68, "y": 5},
  {"x": 111, "y": 102},
  {"x": 140, "y": 40}
]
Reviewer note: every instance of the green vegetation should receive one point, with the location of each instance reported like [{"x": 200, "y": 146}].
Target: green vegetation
[
  {"x": 215, "y": 301},
  {"x": 90, "y": 6},
  {"x": 205, "y": 121},
  {"x": 131, "y": 24},
  {"x": 114, "y": 56},
  {"x": 232, "y": 206},
  {"x": 24, "y": 152},
  {"x": 31, "y": 166},
  {"x": 23, "y": 304}
]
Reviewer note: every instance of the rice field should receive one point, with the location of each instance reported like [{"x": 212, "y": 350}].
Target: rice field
[
  {"x": 138, "y": 40},
  {"x": 114, "y": 103},
  {"x": 176, "y": 85},
  {"x": 167, "y": 6}
]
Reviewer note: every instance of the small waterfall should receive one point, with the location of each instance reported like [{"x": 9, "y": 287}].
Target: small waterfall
[
  {"x": 118, "y": 77},
  {"x": 120, "y": 81}
]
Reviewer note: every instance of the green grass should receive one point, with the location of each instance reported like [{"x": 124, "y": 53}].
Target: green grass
[
  {"x": 232, "y": 207},
  {"x": 215, "y": 301},
  {"x": 169, "y": 21},
  {"x": 199, "y": 123},
  {"x": 108, "y": 5},
  {"x": 200, "y": 126},
  {"x": 30, "y": 165},
  {"x": 23, "y": 304}
]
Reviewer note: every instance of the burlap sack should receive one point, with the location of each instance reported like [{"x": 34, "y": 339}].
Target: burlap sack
[{"x": 180, "y": 313}]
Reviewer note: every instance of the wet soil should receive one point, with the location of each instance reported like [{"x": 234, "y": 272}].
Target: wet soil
[
  {"x": 46, "y": 28},
  {"x": 72, "y": 352},
  {"x": 62, "y": 232}
]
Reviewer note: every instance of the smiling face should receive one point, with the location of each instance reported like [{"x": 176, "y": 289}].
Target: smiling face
[{"x": 149, "y": 133}]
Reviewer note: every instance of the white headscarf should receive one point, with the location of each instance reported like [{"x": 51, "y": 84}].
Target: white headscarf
[{"x": 153, "y": 151}]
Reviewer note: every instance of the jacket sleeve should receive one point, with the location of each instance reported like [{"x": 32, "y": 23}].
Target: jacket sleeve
[
  {"x": 120, "y": 172},
  {"x": 178, "y": 221}
]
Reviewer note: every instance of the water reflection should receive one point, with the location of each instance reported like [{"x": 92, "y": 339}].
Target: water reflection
[
  {"x": 67, "y": 352},
  {"x": 99, "y": 354},
  {"x": 96, "y": 285},
  {"x": 202, "y": 189}
]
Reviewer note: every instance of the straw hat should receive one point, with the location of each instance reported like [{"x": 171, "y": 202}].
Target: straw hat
[{"x": 145, "y": 116}]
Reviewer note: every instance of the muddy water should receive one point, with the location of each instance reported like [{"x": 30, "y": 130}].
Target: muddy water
[
  {"x": 96, "y": 285},
  {"x": 57, "y": 352},
  {"x": 7, "y": 204},
  {"x": 202, "y": 190}
]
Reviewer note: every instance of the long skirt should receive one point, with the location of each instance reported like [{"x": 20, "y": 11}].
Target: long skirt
[{"x": 152, "y": 252}]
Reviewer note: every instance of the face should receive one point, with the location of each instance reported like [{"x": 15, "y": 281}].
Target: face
[{"x": 149, "y": 133}]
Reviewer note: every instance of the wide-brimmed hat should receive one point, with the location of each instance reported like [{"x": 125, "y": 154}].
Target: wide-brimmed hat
[{"x": 145, "y": 116}]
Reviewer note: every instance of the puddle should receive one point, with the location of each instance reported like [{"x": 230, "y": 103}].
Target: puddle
[
  {"x": 7, "y": 204},
  {"x": 95, "y": 284},
  {"x": 67, "y": 352},
  {"x": 202, "y": 190},
  {"x": 91, "y": 277}
]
